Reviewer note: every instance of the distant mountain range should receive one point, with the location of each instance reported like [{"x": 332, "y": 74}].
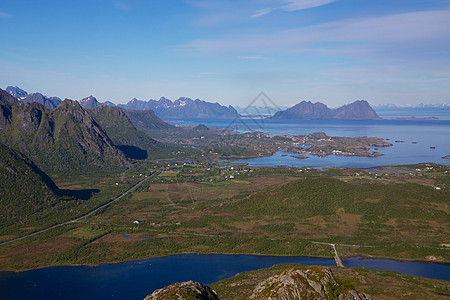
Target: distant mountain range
[
  {"x": 182, "y": 108},
  {"x": 188, "y": 108},
  {"x": 48, "y": 102},
  {"x": 164, "y": 108},
  {"x": 306, "y": 110}
]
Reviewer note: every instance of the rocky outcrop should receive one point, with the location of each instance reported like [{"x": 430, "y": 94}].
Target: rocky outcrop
[
  {"x": 306, "y": 110},
  {"x": 184, "y": 291},
  {"x": 305, "y": 284},
  {"x": 311, "y": 283}
]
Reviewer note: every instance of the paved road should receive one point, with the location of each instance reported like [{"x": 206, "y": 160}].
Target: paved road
[{"x": 87, "y": 214}]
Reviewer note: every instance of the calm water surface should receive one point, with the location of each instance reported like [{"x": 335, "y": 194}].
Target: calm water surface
[
  {"x": 424, "y": 134},
  {"x": 136, "y": 279}
]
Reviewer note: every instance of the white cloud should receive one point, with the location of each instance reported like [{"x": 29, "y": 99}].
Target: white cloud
[
  {"x": 293, "y": 5},
  {"x": 261, "y": 12}
]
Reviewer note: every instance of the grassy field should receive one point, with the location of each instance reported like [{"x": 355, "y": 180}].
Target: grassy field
[{"x": 200, "y": 208}]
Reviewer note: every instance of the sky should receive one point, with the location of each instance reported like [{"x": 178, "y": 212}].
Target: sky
[{"x": 332, "y": 51}]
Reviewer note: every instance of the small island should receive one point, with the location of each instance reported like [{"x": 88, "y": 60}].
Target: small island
[{"x": 299, "y": 156}]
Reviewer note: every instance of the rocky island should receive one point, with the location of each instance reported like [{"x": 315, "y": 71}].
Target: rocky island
[{"x": 306, "y": 110}]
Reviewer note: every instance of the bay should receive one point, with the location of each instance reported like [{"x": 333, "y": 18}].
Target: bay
[{"x": 416, "y": 137}]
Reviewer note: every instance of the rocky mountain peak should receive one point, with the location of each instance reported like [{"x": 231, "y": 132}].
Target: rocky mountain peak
[
  {"x": 89, "y": 102},
  {"x": 184, "y": 291},
  {"x": 16, "y": 91},
  {"x": 74, "y": 109},
  {"x": 359, "y": 109}
]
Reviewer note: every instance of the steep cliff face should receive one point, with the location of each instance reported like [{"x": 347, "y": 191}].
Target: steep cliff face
[
  {"x": 189, "y": 290},
  {"x": 66, "y": 139},
  {"x": 306, "y": 110}
]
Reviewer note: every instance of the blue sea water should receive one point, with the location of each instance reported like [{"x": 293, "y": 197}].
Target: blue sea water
[
  {"x": 136, "y": 279},
  {"x": 424, "y": 134}
]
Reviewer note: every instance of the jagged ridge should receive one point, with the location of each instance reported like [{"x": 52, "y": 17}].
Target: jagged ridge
[{"x": 182, "y": 108}]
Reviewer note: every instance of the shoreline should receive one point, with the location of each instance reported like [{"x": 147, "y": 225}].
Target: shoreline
[{"x": 331, "y": 257}]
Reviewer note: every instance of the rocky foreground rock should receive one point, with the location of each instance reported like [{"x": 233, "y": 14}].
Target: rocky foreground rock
[
  {"x": 184, "y": 291},
  {"x": 305, "y": 284},
  {"x": 292, "y": 284}
]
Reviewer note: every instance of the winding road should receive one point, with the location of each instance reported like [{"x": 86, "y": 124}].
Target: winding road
[{"x": 155, "y": 173}]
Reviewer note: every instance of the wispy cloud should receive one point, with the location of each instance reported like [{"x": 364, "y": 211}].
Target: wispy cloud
[
  {"x": 293, "y": 5},
  {"x": 290, "y": 5},
  {"x": 262, "y": 12},
  {"x": 422, "y": 33},
  {"x": 4, "y": 15}
]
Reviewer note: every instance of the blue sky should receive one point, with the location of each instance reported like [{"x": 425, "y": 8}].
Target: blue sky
[{"x": 333, "y": 51}]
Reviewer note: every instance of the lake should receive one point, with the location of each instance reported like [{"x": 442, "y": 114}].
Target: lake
[{"x": 136, "y": 279}]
